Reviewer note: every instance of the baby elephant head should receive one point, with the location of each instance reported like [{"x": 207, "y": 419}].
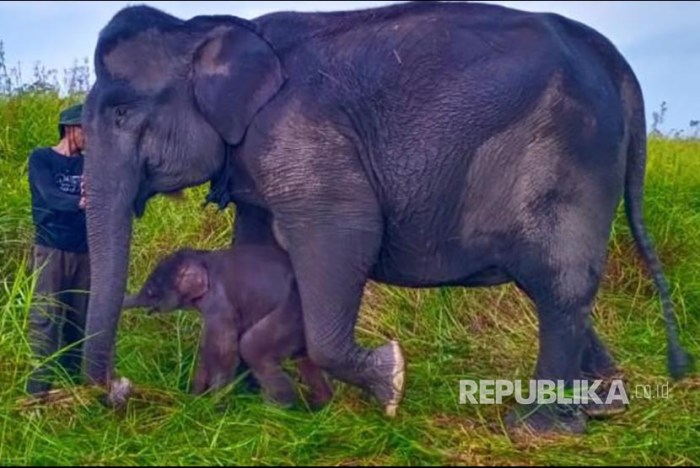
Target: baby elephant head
[{"x": 176, "y": 283}]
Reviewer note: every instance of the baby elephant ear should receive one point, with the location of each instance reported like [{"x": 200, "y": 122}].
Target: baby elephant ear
[{"x": 192, "y": 280}]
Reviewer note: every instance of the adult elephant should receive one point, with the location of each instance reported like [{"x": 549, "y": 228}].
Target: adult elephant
[{"x": 419, "y": 145}]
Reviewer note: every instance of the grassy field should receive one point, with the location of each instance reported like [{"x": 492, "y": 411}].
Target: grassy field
[{"x": 447, "y": 335}]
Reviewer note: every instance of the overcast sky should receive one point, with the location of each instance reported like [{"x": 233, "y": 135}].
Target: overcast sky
[{"x": 660, "y": 39}]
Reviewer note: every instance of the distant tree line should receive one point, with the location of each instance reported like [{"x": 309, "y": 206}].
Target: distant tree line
[
  {"x": 658, "y": 119},
  {"x": 76, "y": 79}
]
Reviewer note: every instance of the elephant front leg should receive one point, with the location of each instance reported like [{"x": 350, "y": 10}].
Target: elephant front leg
[{"x": 331, "y": 267}]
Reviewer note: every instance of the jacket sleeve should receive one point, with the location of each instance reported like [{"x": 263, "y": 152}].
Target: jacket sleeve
[{"x": 41, "y": 179}]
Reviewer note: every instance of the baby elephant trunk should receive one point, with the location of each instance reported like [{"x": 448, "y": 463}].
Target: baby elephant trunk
[{"x": 132, "y": 301}]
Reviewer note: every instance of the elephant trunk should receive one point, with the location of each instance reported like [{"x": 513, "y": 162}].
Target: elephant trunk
[
  {"x": 110, "y": 197},
  {"x": 133, "y": 301}
]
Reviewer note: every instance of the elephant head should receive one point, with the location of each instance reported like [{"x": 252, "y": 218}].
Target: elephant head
[
  {"x": 177, "y": 282},
  {"x": 170, "y": 95}
]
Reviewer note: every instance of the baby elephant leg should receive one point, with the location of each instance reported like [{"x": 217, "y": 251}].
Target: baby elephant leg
[
  {"x": 263, "y": 348},
  {"x": 218, "y": 355},
  {"x": 314, "y": 377}
]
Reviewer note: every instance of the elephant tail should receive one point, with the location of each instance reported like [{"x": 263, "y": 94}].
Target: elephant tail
[{"x": 680, "y": 362}]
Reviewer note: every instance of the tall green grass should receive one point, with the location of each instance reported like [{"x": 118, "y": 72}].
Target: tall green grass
[{"x": 448, "y": 334}]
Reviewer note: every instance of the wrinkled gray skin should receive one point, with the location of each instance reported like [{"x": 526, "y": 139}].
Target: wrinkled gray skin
[
  {"x": 419, "y": 145},
  {"x": 251, "y": 313}
]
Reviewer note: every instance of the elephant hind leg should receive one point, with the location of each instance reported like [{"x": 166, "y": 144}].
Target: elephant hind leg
[
  {"x": 563, "y": 293},
  {"x": 598, "y": 365},
  {"x": 597, "y": 361}
]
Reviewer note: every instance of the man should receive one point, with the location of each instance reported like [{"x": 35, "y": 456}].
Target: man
[{"x": 60, "y": 258}]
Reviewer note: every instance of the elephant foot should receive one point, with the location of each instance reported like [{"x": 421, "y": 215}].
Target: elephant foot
[
  {"x": 604, "y": 410},
  {"x": 286, "y": 401},
  {"x": 320, "y": 390},
  {"x": 389, "y": 373},
  {"x": 606, "y": 404},
  {"x": 119, "y": 393},
  {"x": 318, "y": 402},
  {"x": 549, "y": 419},
  {"x": 280, "y": 392},
  {"x": 318, "y": 398}
]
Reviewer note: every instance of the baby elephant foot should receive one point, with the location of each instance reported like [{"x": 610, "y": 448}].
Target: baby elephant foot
[
  {"x": 321, "y": 390},
  {"x": 546, "y": 419},
  {"x": 280, "y": 391},
  {"x": 199, "y": 384},
  {"x": 320, "y": 395},
  {"x": 387, "y": 376},
  {"x": 208, "y": 380}
]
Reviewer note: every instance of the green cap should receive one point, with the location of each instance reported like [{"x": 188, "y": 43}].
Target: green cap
[{"x": 71, "y": 116}]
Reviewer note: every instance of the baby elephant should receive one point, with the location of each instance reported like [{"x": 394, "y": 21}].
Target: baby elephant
[{"x": 250, "y": 307}]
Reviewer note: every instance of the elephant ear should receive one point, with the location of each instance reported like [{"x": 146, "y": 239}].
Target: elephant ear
[
  {"x": 192, "y": 280},
  {"x": 236, "y": 72}
]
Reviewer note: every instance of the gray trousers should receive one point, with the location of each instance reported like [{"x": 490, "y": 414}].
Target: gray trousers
[{"x": 57, "y": 316}]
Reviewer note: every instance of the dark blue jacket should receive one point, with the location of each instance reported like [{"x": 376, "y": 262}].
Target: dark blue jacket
[{"x": 54, "y": 181}]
